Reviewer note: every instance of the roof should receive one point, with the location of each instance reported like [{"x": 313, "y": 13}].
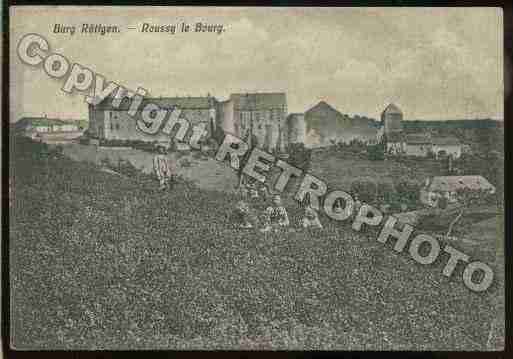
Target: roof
[
  {"x": 447, "y": 141},
  {"x": 324, "y": 109},
  {"x": 43, "y": 121},
  {"x": 257, "y": 101},
  {"x": 453, "y": 183},
  {"x": 418, "y": 139},
  {"x": 162, "y": 102},
  {"x": 394, "y": 137},
  {"x": 392, "y": 109}
]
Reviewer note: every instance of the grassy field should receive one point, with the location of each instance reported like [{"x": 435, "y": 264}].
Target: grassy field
[
  {"x": 340, "y": 169},
  {"x": 102, "y": 261}
]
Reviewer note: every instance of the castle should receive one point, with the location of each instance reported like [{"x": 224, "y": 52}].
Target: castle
[{"x": 257, "y": 118}]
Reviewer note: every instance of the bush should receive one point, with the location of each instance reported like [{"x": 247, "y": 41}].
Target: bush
[{"x": 376, "y": 152}]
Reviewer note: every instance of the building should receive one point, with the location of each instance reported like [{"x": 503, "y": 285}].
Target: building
[
  {"x": 296, "y": 128},
  {"x": 257, "y": 118},
  {"x": 394, "y": 143},
  {"x": 50, "y": 130},
  {"x": 422, "y": 145},
  {"x": 447, "y": 146},
  {"x": 331, "y": 125},
  {"x": 448, "y": 186},
  {"x": 46, "y": 125},
  {"x": 391, "y": 119},
  {"x": 110, "y": 123},
  {"x": 418, "y": 144}
]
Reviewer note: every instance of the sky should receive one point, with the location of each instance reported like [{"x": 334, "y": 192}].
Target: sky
[{"x": 434, "y": 63}]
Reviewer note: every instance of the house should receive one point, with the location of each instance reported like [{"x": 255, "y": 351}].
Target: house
[
  {"x": 49, "y": 130},
  {"x": 258, "y": 118},
  {"x": 418, "y": 144},
  {"x": 107, "y": 122},
  {"x": 45, "y": 125},
  {"x": 422, "y": 145},
  {"x": 448, "y": 186},
  {"x": 394, "y": 143},
  {"x": 446, "y": 146}
]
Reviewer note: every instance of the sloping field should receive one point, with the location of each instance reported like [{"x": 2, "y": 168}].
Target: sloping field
[
  {"x": 102, "y": 261},
  {"x": 339, "y": 170},
  {"x": 206, "y": 172}
]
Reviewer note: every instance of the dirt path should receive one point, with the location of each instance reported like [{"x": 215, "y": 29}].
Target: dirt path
[{"x": 205, "y": 172}]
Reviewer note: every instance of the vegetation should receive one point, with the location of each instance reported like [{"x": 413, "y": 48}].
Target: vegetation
[{"x": 104, "y": 261}]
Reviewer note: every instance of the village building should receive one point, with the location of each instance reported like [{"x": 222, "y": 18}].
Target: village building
[
  {"x": 394, "y": 143},
  {"x": 447, "y": 146},
  {"x": 257, "y": 118},
  {"x": 114, "y": 123},
  {"x": 47, "y": 125},
  {"x": 328, "y": 124},
  {"x": 448, "y": 186},
  {"x": 418, "y": 144},
  {"x": 414, "y": 144},
  {"x": 50, "y": 130}
]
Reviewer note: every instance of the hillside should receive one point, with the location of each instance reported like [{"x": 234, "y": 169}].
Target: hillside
[{"x": 103, "y": 261}]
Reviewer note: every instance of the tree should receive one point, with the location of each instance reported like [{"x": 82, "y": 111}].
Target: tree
[{"x": 376, "y": 152}]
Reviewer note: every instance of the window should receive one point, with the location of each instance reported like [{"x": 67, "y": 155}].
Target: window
[
  {"x": 117, "y": 126},
  {"x": 111, "y": 127}
]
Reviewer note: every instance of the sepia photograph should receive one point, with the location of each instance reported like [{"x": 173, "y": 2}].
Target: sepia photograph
[{"x": 256, "y": 178}]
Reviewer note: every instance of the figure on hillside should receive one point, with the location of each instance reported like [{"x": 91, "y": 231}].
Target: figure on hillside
[
  {"x": 253, "y": 191},
  {"x": 311, "y": 218},
  {"x": 357, "y": 204},
  {"x": 276, "y": 216},
  {"x": 264, "y": 192},
  {"x": 244, "y": 216},
  {"x": 161, "y": 168}
]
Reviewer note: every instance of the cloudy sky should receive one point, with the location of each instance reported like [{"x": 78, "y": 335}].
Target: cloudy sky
[{"x": 433, "y": 63}]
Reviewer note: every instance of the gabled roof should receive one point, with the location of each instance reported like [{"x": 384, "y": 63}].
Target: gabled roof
[
  {"x": 324, "y": 109},
  {"x": 453, "y": 183},
  {"x": 258, "y": 101},
  {"x": 162, "y": 102},
  {"x": 418, "y": 139},
  {"x": 392, "y": 109},
  {"x": 447, "y": 141}
]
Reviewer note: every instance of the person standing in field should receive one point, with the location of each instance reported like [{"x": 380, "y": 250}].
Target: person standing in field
[
  {"x": 172, "y": 168},
  {"x": 311, "y": 218},
  {"x": 276, "y": 216},
  {"x": 161, "y": 168}
]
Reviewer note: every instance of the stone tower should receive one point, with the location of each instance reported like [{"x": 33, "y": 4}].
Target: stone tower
[
  {"x": 296, "y": 128},
  {"x": 391, "y": 119}
]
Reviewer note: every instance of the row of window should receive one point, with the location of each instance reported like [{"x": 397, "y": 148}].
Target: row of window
[{"x": 274, "y": 114}]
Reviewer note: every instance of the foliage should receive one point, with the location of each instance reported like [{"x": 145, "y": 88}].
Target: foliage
[
  {"x": 108, "y": 262},
  {"x": 376, "y": 152}
]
